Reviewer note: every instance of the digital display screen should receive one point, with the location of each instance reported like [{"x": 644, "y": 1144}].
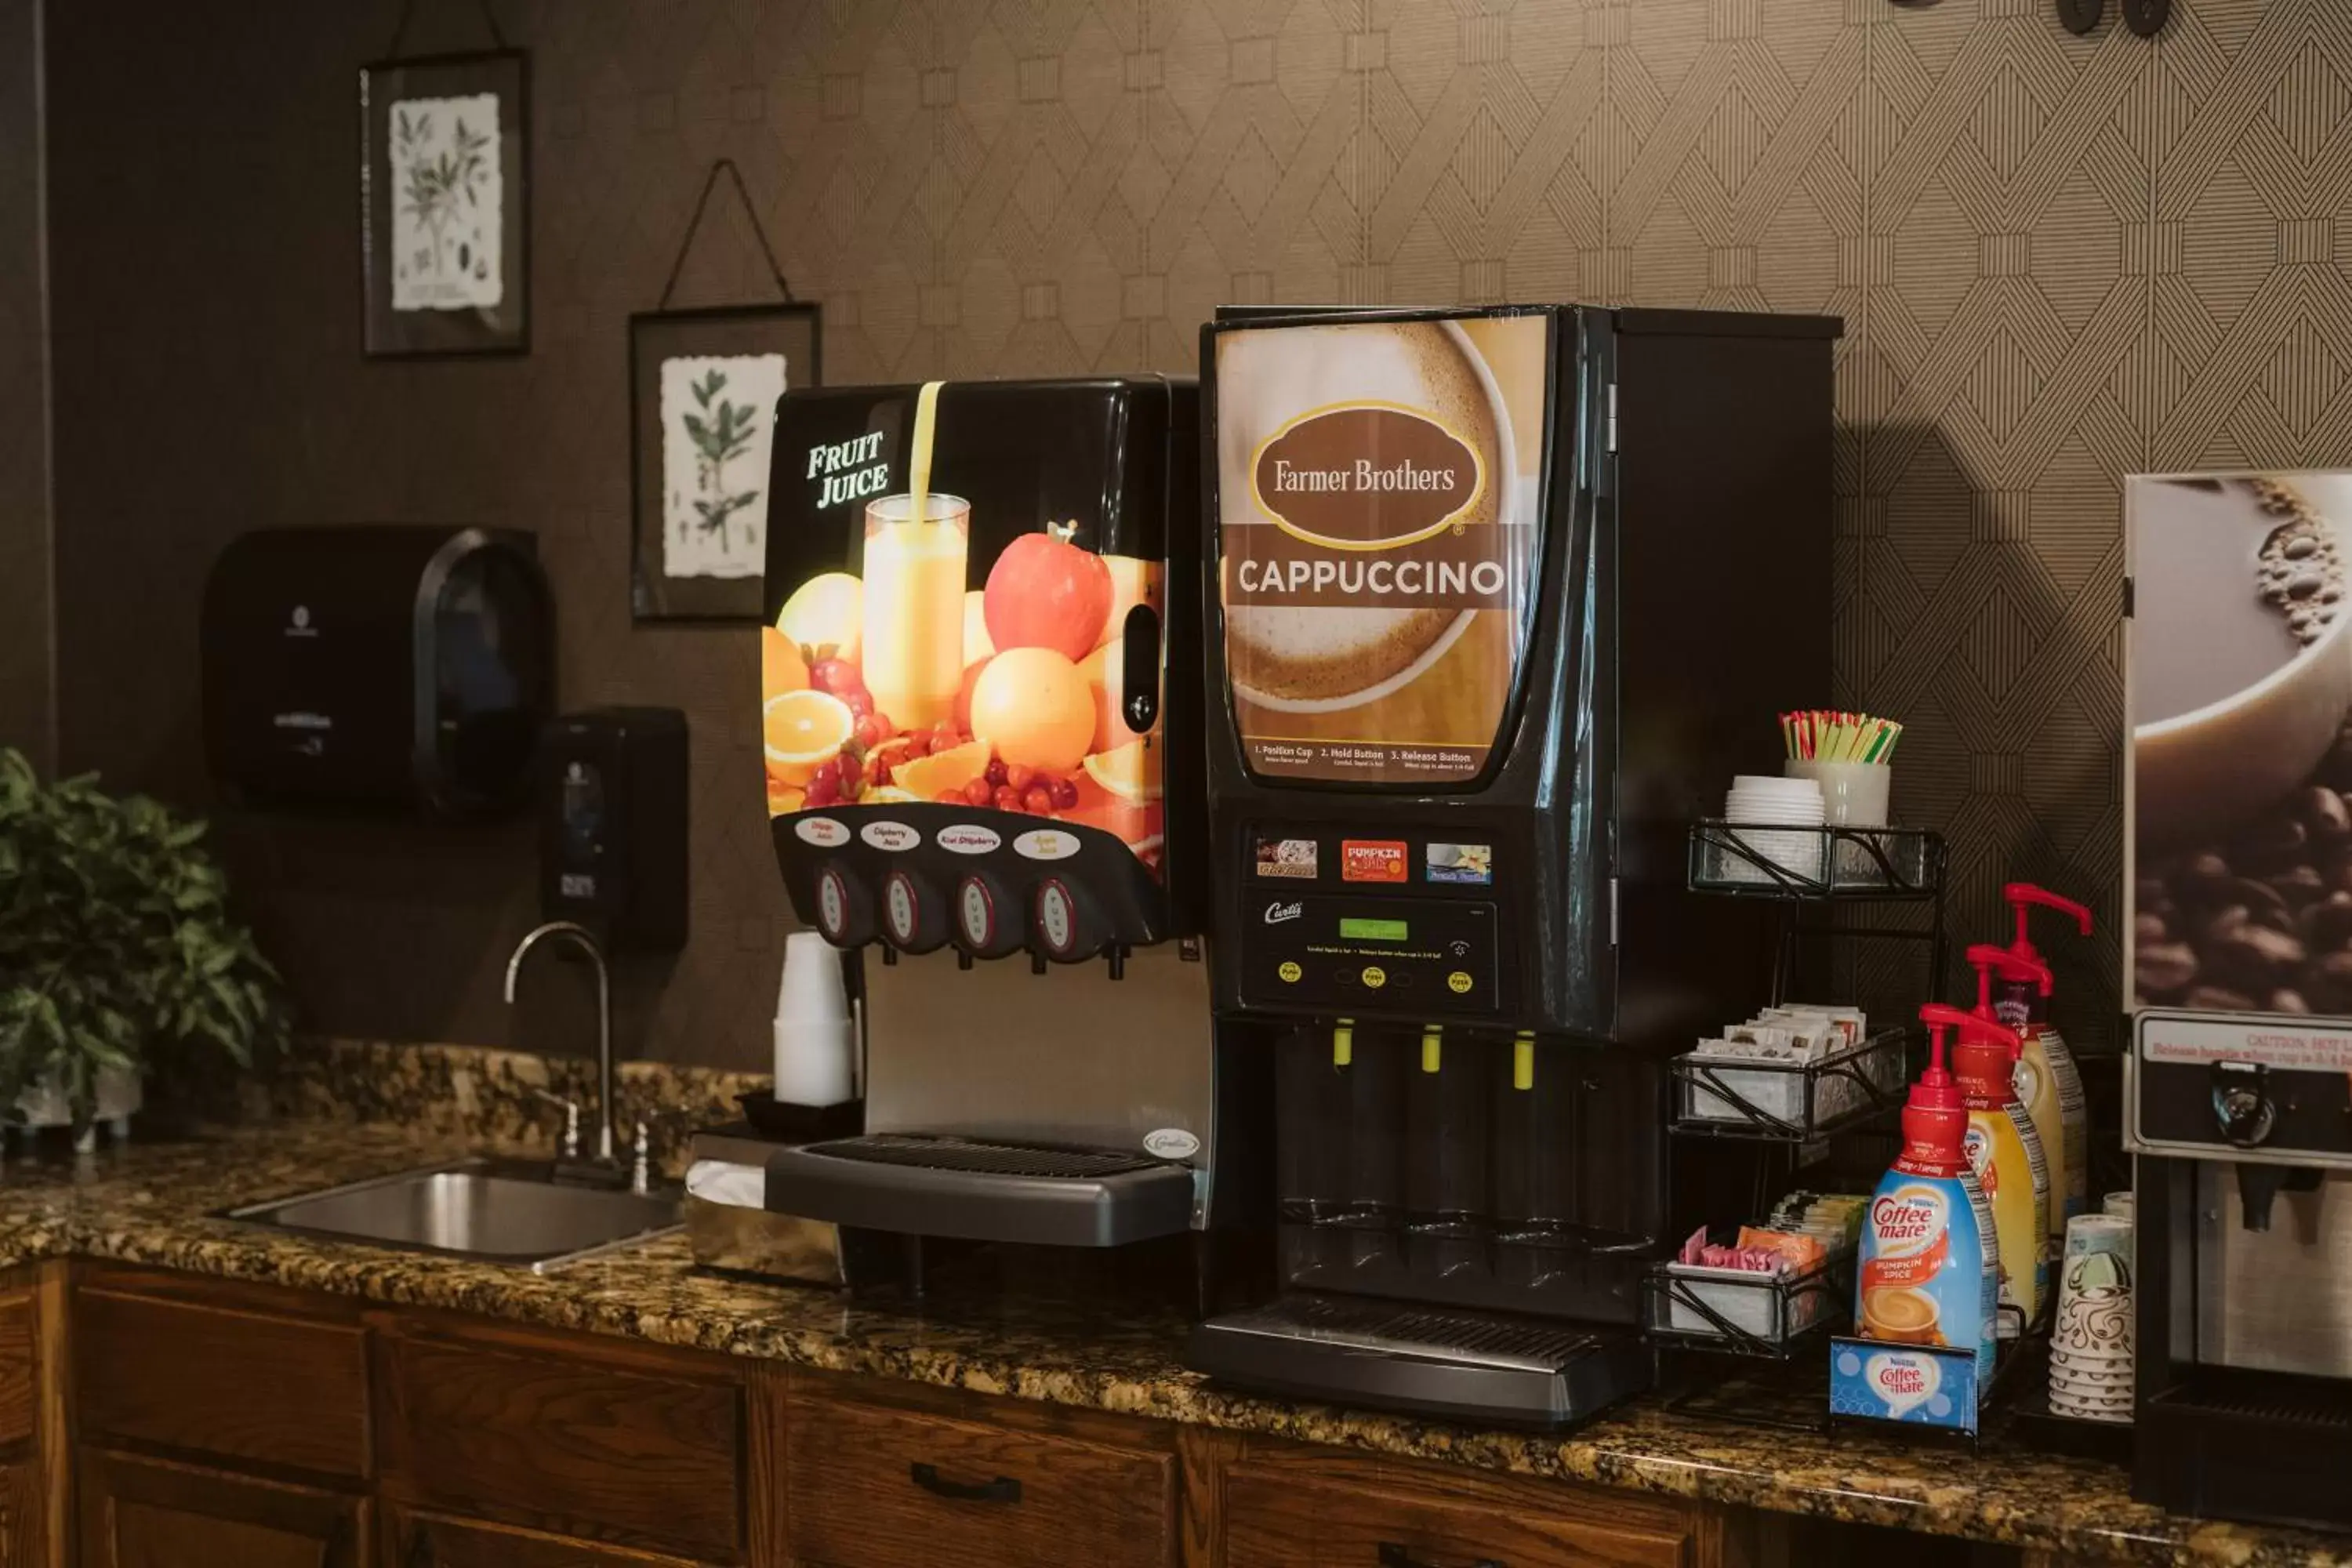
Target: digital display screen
[{"x": 1373, "y": 930}]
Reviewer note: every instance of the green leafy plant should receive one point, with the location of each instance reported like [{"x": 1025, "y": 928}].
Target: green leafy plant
[
  {"x": 436, "y": 184},
  {"x": 116, "y": 942},
  {"x": 719, "y": 439}
]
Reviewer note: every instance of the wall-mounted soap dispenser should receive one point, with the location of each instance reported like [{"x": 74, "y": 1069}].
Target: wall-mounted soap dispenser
[{"x": 613, "y": 826}]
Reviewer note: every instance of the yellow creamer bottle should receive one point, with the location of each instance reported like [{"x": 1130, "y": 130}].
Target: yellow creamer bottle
[
  {"x": 2037, "y": 1082},
  {"x": 2006, "y": 1155},
  {"x": 2018, "y": 1003}
]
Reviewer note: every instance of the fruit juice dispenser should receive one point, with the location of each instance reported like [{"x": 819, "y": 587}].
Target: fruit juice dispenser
[
  {"x": 1503, "y": 598},
  {"x": 980, "y": 717}
]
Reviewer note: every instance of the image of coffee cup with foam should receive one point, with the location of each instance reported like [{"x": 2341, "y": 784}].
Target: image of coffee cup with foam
[{"x": 1364, "y": 470}]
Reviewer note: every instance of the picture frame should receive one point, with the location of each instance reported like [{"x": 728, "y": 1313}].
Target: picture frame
[
  {"x": 699, "y": 451},
  {"x": 445, "y": 205}
]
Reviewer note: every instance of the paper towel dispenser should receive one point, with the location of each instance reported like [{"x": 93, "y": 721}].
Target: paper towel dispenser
[{"x": 377, "y": 665}]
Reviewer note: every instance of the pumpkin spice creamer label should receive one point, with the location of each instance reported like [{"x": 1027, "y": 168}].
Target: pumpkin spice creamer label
[{"x": 1375, "y": 568}]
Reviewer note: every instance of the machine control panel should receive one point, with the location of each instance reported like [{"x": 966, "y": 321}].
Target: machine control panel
[
  {"x": 2231, "y": 1086},
  {"x": 1371, "y": 918}
]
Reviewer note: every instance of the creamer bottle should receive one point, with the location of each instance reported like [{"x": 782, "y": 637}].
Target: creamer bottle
[
  {"x": 2037, "y": 1084},
  {"x": 1928, "y": 1274},
  {"x": 2018, "y": 1003},
  {"x": 2006, "y": 1156}
]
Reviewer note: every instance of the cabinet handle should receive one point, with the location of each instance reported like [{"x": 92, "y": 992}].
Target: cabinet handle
[
  {"x": 1004, "y": 1489},
  {"x": 1394, "y": 1554}
]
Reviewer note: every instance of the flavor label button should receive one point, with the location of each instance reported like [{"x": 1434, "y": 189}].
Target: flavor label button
[
  {"x": 1286, "y": 857},
  {"x": 1046, "y": 844},
  {"x": 968, "y": 839},
  {"x": 893, "y": 836},
  {"x": 825, "y": 832},
  {"x": 1467, "y": 863},
  {"x": 1372, "y": 860}
]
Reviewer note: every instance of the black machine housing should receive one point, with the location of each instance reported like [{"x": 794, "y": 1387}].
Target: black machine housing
[
  {"x": 377, "y": 665},
  {"x": 1685, "y": 572}
]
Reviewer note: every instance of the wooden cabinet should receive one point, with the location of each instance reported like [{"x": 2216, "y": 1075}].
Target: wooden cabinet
[
  {"x": 21, "y": 1499},
  {"x": 226, "y": 1424},
  {"x": 608, "y": 1442},
  {"x": 870, "y": 1485},
  {"x": 1258, "y": 1504},
  {"x": 139, "y": 1512},
  {"x": 215, "y": 1376},
  {"x": 434, "y": 1540}
]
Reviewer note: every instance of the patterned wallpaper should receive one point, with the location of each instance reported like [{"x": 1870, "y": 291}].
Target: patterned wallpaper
[
  {"x": 2059, "y": 259},
  {"x": 24, "y": 707}
]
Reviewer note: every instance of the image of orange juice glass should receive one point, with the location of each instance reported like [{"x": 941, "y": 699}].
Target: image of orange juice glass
[{"x": 914, "y": 606}]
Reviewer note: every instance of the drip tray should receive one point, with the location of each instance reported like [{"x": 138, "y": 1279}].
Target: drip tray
[
  {"x": 977, "y": 1189},
  {"x": 1433, "y": 1361}
]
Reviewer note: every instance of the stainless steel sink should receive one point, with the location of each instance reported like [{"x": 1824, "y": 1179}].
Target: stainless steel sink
[{"x": 502, "y": 1211}]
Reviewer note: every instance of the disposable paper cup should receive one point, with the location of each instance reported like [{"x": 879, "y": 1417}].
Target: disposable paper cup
[{"x": 811, "y": 989}]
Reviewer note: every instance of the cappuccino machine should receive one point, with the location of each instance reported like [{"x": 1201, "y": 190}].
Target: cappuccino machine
[
  {"x": 2238, "y": 1087},
  {"x": 981, "y": 709},
  {"x": 1502, "y": 599}
]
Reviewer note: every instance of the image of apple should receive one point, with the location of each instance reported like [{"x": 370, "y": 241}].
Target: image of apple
[
  {"x": 1045, "y": 591},
  {"x": 1133, "y": 581},
  {"x": 976, "y": 644},
  {"x": 1105, "y": 670}
]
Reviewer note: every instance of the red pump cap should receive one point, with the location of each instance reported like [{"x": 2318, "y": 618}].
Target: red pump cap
[
  {"x": 2023, "y": 897},
  {"x": 2009, "y": 964},
  {"x": 1984, "y": 1059},
  {"x": 1936, "y": 1116}
]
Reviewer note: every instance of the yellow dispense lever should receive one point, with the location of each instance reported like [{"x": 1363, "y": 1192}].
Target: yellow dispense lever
[
  {"x": 1523, "y": 1061},
  {"x": 1343, "y": 1043},
  {"x": 1431, "y": 1052}
]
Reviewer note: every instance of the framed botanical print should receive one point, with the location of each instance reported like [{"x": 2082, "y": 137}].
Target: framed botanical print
[
  {"x": 703, "y": 386},
  {"x": 445, "y": 204}
]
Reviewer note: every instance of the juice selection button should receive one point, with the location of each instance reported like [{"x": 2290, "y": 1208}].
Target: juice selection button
[
  {"x": 1290, "y": 971},
  {"x": 1375, "y": 976}
]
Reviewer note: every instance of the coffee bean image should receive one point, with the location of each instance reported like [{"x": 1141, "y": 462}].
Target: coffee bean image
[
  {"x": 2327, "y": 923},
  {"x": 2164, "y": 971},
  {"x": 2147, "y": 928},
  {"x": 2214, "y": 999},
  {"x": 2272, "y": 843},
  {"x": 2324, "y": 814},
  {"x": 2288, "y": 1002}
]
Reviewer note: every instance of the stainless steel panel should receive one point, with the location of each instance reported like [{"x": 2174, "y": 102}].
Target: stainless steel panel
[
  {"x": 1068, "y": 1057},
  {"x": 2281, "y": 1299}
]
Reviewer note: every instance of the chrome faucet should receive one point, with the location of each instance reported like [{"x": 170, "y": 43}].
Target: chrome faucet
[{"x": 586, "y": 939}]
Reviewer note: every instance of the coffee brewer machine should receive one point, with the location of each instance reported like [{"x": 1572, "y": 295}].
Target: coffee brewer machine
[
  {"x": 981, "y": 721},
  {"x": 2238, "y": 1088},
  {"x": 1506, "y": 596}
]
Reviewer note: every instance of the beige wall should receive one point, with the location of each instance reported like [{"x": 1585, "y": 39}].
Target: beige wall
[{"x": 2059, "y": 259}]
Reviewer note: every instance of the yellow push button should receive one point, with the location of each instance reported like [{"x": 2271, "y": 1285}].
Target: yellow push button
[
  {"x": 1375, "y": 976},
  {"x": 1290, "y": 971},
  {"x": 1458, "y": 982}
]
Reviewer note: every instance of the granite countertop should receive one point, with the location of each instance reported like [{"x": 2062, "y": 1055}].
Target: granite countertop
[{"x": 152, "y": 1203}]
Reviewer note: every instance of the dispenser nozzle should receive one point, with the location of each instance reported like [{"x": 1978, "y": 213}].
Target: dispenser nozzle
[
  {"x": 1432, "y": 1048},
  {"x": 2023, "y": 898},
  {"x": 2010, "y": 964},
  {"x": 1523, "y": 1061},
  {"x": 1938, "y": 1016}
]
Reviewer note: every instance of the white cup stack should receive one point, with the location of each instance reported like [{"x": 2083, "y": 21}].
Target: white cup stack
[
  {"x": 2091, "y": 1342},
  {"x": 817, "y": 1039},
  {"x": 1778, "y": 803}
]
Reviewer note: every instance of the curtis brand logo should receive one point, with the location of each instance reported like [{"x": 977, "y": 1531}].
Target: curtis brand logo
[{"x": 1276, "y": 914}]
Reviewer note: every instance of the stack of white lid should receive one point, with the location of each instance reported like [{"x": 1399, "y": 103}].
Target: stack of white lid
[{"x": 1780, "y": 803}]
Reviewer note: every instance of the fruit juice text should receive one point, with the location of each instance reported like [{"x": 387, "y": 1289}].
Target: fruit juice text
[{"x": 900, "y": 685}]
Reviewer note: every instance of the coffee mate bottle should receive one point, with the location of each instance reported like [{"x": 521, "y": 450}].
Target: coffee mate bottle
[
  {"x": 2037, "y": 1083},
  {"x": 2006, "y": 1155},
  {"x": 2018, "y": 1003},
  {"x": 1929, "y": 1272}
]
